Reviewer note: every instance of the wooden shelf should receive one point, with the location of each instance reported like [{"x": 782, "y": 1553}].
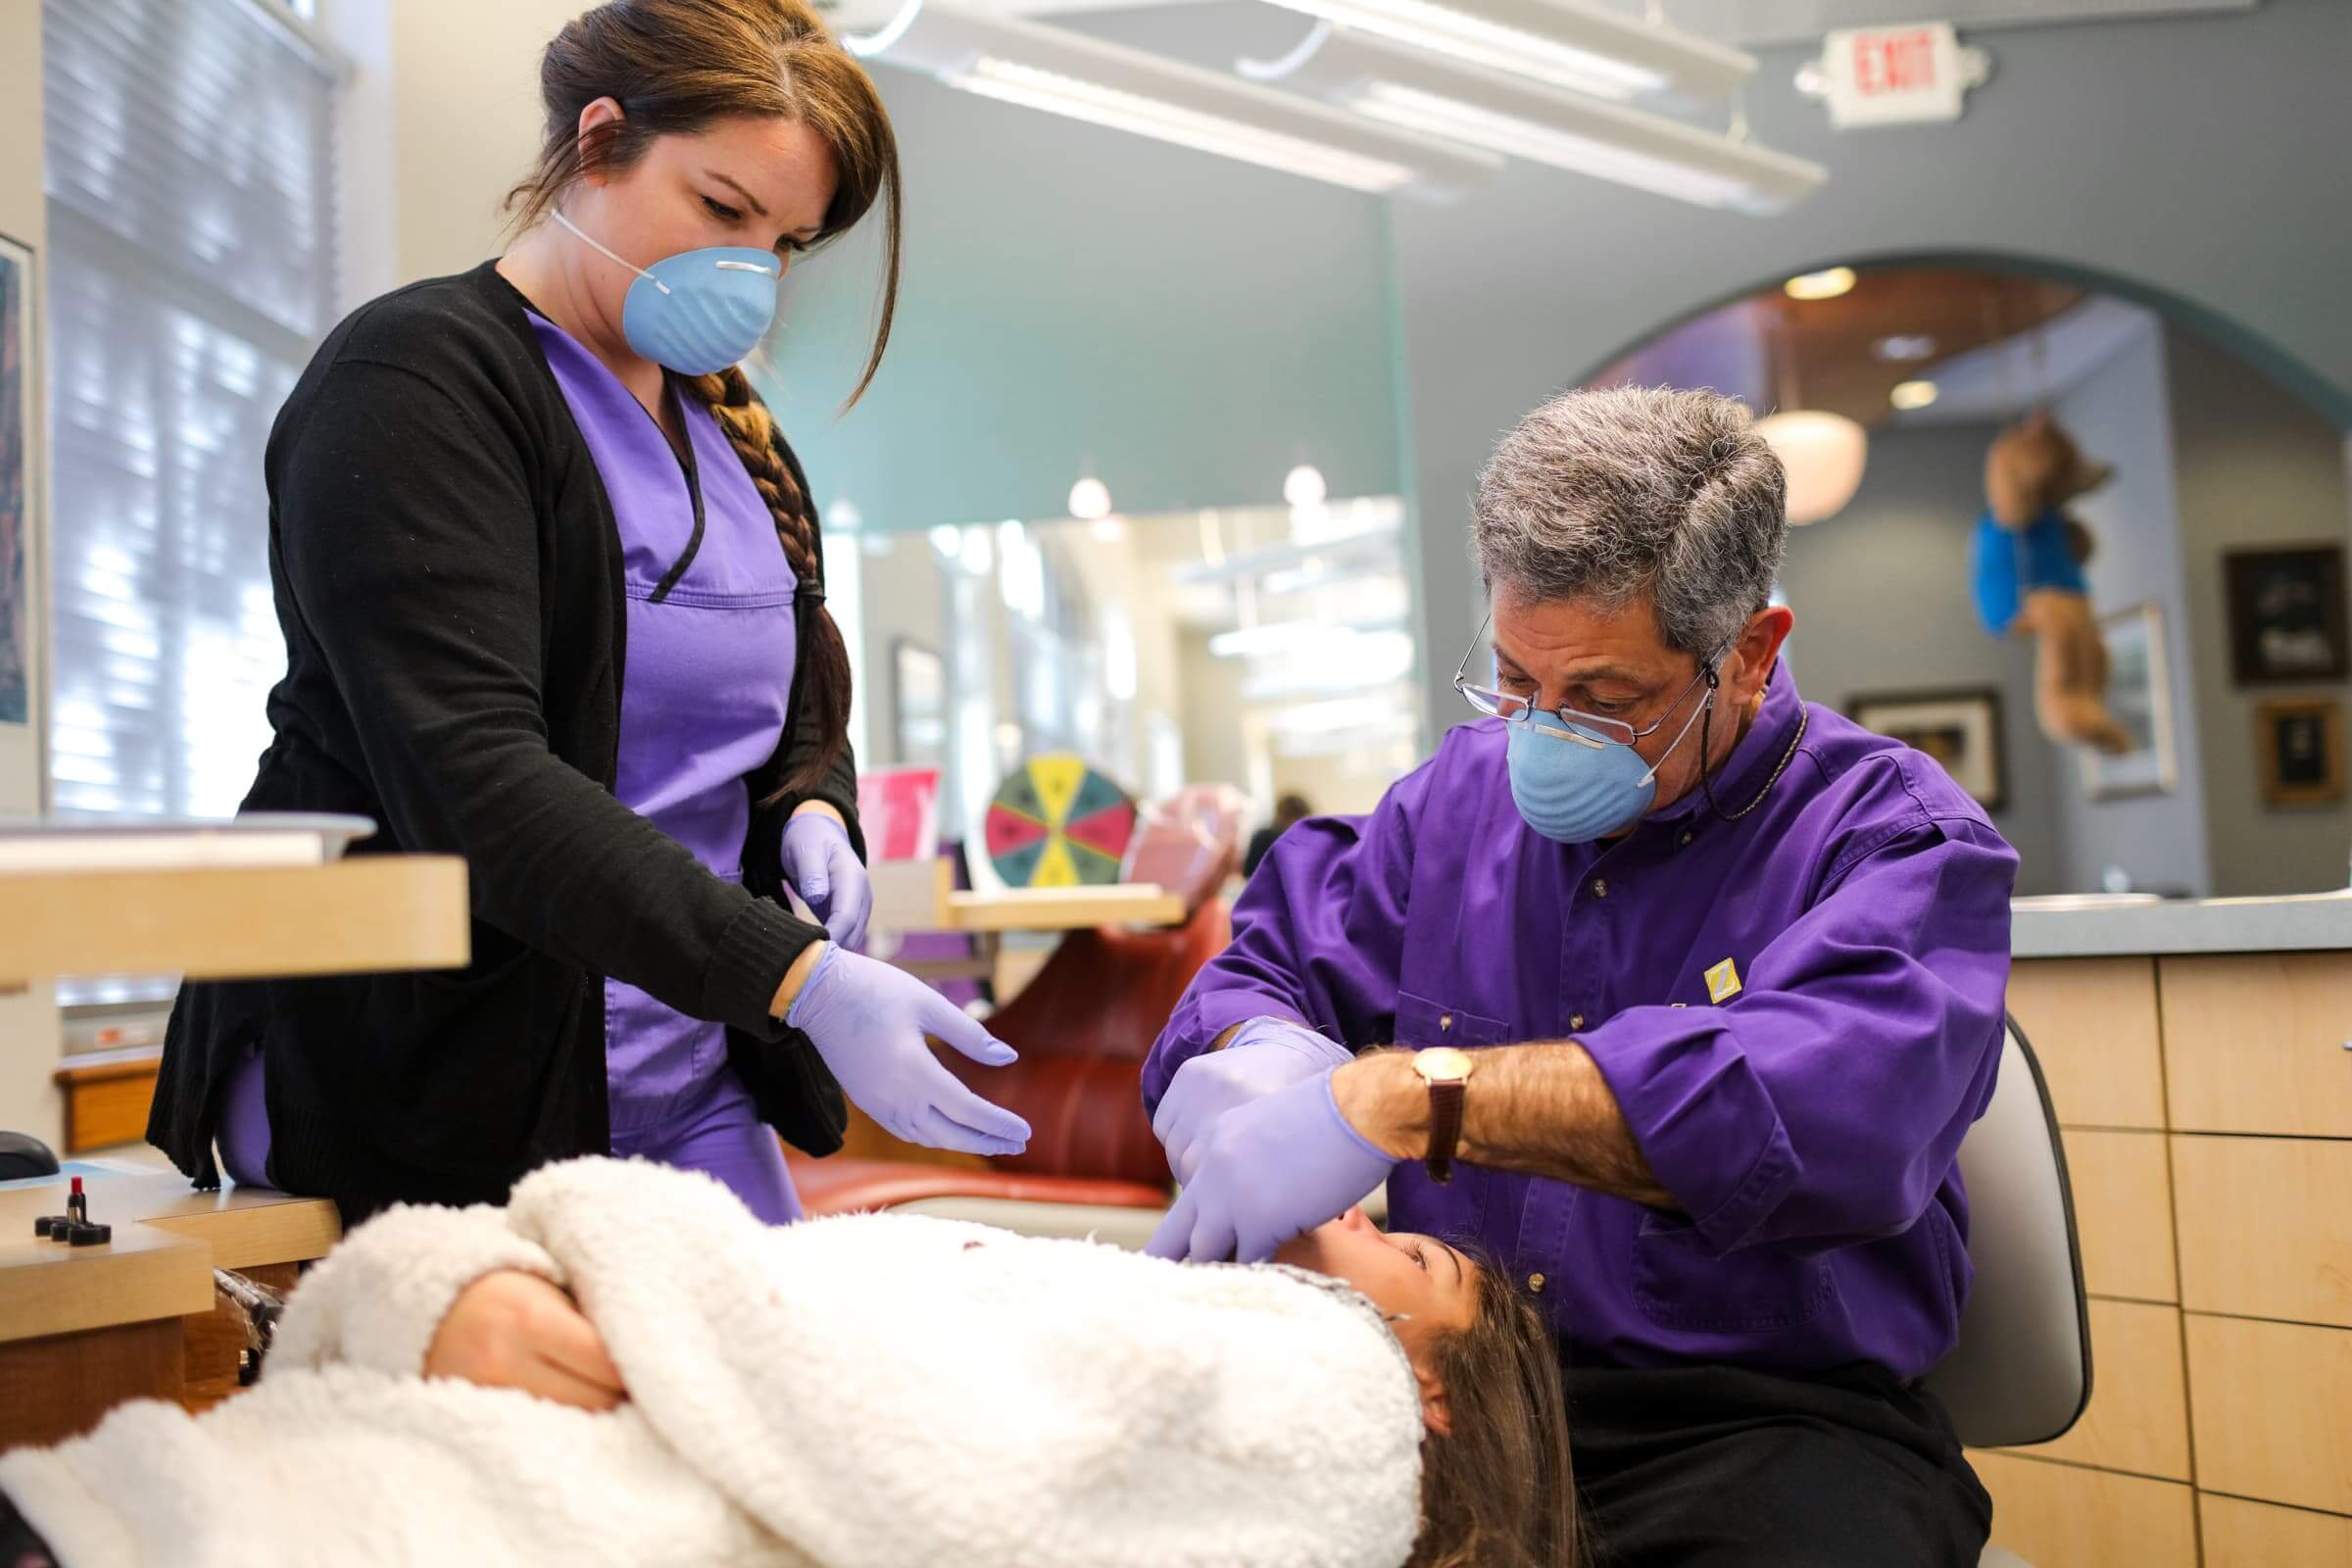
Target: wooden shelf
[
  {"x": 167, "y": 1238},
  {"x": 1064, "y": 909},
  {"x": 368, "y": 913},
  {"x": 921, "y": 896}
]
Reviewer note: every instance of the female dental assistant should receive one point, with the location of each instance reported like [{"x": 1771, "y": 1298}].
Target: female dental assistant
[{"x": 553, "y": 600}]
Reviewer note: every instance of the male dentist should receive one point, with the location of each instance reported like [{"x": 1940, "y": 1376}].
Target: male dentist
[{"x": 1698, "y": 986}]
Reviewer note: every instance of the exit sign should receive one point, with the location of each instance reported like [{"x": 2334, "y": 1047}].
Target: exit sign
[{"x": 1885, "y": 75}]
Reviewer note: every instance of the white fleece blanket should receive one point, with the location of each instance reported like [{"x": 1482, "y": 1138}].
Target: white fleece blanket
[{"x": 848, "y": 1393}]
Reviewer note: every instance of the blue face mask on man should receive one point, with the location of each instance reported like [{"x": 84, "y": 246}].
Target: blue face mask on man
[
  {"x": 1574, "y": 787},
  {"x": 700, "y": 310}
]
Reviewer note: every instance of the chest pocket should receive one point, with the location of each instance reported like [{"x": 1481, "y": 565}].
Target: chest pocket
[
  {"x": 1422, "y": 1022},
  {"x": 1678, "y": 1286}
]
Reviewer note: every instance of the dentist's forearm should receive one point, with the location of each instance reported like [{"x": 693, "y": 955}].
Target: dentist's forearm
[{"x": 1543, "y": 1110}]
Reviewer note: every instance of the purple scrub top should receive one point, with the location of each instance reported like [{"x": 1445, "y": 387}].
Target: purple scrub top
[
  {"x": 1803, "y": 1106},
  {"x": 709, "y": 672}
]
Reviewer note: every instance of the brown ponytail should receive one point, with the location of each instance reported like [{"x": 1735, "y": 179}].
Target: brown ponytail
[
  {"x": 824, "y": 678},
  {"x": 677, "y": 66}
]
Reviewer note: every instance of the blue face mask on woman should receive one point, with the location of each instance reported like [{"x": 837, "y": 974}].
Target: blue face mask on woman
[
  {"x": 700, "y": 310},
  {"x": 1574, "y": 787}
]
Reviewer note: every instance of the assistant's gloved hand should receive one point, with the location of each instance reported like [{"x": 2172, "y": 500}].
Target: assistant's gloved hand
[
  {"x": 1267, "y": 1171},
  {"x": 1267, "y": 1055},
  {"x": 868, "y": 1020},
  {"x": 823, "y": 869}
]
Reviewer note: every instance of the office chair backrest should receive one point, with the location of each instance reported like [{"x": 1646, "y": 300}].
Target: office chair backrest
[{"x": 2021, "y": 1371}]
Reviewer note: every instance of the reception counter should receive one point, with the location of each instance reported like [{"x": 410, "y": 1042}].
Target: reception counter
[{"x": 2200, "y": 1058}]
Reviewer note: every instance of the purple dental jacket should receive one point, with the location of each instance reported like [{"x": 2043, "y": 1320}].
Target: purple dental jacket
[{"x": 1799, "y": 1012}]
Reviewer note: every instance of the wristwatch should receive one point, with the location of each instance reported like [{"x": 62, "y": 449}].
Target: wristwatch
[{"x": 1445, "y": 1070}]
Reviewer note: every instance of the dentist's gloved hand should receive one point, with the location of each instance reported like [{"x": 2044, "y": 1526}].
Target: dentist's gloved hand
[
  {"x": 1267, "y": 1055},
  {"x": 1267, "y": 1171},
  {"x": 868, "y": 1020},
  {"x": 824, "y": 870}
]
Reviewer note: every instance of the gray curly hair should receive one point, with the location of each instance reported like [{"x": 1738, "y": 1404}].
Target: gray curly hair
[{"x": 1632, "y": 493}]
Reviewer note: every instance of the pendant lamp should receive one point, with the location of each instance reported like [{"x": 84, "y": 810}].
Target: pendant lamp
[{"x": 1824, "y": 453}]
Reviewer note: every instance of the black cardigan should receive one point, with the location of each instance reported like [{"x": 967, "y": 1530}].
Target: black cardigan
[{"x": 448, "y": 576}]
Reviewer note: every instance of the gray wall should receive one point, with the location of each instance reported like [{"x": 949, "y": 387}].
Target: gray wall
[
  {"x": 2200, "y": 157},
  {"x": 1904, "y": 542},
  {"x": 2257, "y": 467},
  {"x": 2120, "y": 414},
  {"x": 1076, "y": 298}
]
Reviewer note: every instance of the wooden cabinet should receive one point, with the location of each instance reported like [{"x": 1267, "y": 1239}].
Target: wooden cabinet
[
  {"x": 2258, "y": 1534},
  {"x": 2137, "y": 1419},
  {"x": 2063, "y": 1516},
  {"x": 2274, "y": 1410},
  {"x": 2123, "y": 1214},
  {"x": 2255, "y": 1042},
  {"x": 2093, "y": 1023},
  {"x": 2265, "y": 1226},
  {"x": 2207, "y": 1108}
]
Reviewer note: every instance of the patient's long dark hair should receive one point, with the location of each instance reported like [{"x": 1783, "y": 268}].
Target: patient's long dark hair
[{"x": 1500, "y": 1490}]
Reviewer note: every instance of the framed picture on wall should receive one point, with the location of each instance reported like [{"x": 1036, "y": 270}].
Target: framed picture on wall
[
  {"x": 1961, "y": 729},
  {"x": 20, "y": 385},
  {"x": 2286, "y": 614},
  {"x": 2140, "y": 694},
  {"x": 2299, "y": 747},
  {"x": 918, "y": 697}
]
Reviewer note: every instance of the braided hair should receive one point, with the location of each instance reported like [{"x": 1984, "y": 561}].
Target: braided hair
[{"x": 825, "y": 676}]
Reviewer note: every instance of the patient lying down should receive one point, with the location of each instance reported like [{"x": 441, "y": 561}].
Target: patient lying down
[{"x": 850, "y": 1393}]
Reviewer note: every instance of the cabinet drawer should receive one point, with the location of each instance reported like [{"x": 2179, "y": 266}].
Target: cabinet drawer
[
  {"x": 2137, "y": 1419},
  {"x": 2122, "y": 1213},
  {"x": 2255, "y": 1043},
  {"x": 2274, "y": 1410},
  {"x": 2092, "y": 1024},
  {"x": 2256, "y": 1535},
  {"x": 2266, "y": 1226},
  {"x": 2063, "y": 1516}
]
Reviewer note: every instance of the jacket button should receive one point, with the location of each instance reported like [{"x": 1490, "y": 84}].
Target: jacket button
[
  {"x": 1445, "y": 1020},
  {"x": 1600, "y": 887},
  {"x": 1535, "y": 1285},
  {"x": 1685, "y": 838},
  {"x": 1576, "y": 1021}
]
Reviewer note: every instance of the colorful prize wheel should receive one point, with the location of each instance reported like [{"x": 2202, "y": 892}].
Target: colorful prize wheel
[{"x": 1058, "y": 823}]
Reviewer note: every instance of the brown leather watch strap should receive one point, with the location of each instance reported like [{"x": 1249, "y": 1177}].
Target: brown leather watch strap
[{"x": 1445, "y": 1127}]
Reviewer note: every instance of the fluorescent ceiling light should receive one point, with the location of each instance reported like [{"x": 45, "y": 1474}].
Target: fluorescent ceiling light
[
  {"x": 1128, "y": 90},
  {"x": 1564, "y": 43},
  {"x": 1282, "y": 637},
  {"x": 1510, "y": 114}
]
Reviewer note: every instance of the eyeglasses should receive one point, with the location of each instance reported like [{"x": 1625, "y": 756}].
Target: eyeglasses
[{"x": 1587, "y": 730}]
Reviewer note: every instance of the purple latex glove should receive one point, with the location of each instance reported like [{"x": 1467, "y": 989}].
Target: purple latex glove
[
  {"x": 1270, "y": 1170},
  {"x": 824, "y": 870},
  {"x": 1264, "y": 1056},
  {"x": 868, "y": 1020}
]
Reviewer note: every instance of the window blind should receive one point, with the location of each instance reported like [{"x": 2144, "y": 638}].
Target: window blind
[{"x": 189, "y": 163}]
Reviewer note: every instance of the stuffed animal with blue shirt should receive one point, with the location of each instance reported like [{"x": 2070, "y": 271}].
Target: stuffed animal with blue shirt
[{"x": 2026, "y": 568}]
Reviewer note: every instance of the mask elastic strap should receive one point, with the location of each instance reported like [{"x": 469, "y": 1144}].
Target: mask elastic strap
[
  {"x": 1682, "y": 734},
  {"x": 556, "y": 212}
]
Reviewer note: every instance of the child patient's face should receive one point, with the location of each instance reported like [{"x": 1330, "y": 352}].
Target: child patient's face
[{"x": 1420, "y": 1280}]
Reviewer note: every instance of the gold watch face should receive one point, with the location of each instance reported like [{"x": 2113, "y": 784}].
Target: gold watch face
[{"x": 1442, "y": 1065}]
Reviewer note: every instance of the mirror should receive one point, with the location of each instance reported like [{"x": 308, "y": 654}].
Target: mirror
[{"x": 2214, "y": 577}]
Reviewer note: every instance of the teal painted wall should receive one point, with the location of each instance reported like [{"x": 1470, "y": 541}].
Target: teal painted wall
[{"x": 1186, "y": 326}]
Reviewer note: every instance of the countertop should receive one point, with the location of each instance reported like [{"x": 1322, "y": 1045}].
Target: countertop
[{"x": 2096, "y": 926}]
